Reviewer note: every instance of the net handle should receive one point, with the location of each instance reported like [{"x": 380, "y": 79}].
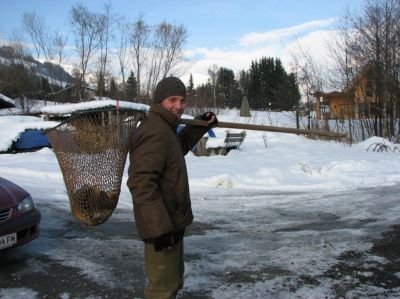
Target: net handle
[{"x": 79, "y": 113}]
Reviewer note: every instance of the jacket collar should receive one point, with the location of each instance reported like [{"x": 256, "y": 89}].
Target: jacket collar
[{"x": 166, "y": 115}]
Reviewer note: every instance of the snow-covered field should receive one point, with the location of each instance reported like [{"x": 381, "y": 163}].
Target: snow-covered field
[{"x": 260, "y": 203}]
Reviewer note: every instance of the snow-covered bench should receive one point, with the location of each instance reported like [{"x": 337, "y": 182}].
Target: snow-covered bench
[
  {"x": 233, "y": 141},
  {"x": 220, "y": 146}
]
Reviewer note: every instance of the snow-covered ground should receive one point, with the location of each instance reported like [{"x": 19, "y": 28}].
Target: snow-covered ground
[{"x": 273, "y": 184}]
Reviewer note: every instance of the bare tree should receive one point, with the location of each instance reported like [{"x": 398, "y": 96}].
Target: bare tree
[
  {"x": 87, "y": 28},
  {"x": 139, "y": 41},
  {"x": 309, "y": 71},
  {"x": 106, "y": 21},
  {"x": 213, "y": 73},
  {"x": 154, "y": 62},
  {"x": 310, "y": 77},
  {"x": 59, "y": 43},
  {"x": 173, "y": 38},
  {"x": 374, "y": 44},
  {"x": 44, "y": 43},
  {"x": 17, "y": 44},
  {"x": 35, "y": 28},
  {"x": 18, "y": 80},
  {"x": 122, "y": 43},
  {"x": 342, "y": 61},
  {"x": 156, "y": 52},
  {"x": 166, "y": 52}
]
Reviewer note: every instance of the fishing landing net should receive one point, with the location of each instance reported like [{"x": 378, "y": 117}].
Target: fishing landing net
[{"x": 91, "y": 149}]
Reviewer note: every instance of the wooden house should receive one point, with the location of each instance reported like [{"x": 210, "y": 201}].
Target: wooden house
[{"x": 353, "y": 102}]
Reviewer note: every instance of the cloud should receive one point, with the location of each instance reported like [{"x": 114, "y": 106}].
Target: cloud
[
  {"x": 283, "y": 44},
  {"x": 254, "y": 38}
]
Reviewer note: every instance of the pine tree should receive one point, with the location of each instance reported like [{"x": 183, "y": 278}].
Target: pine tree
[
  {"x": 254, "y": 87},
  {"x": 131, "y": 87},
  {"x": 113, "y": 92},
  {"x": 191, "y": 93},
  {"x": 191, "y": 84},
  {"x": 101, "y": 85},
  {"x": 16, "y": 81},
  {"x": 244, "y": 82},
  {"x": 270, "y": 86},
  {"x": 227, "y": 88},
  {"x": 45, "y": 88}
]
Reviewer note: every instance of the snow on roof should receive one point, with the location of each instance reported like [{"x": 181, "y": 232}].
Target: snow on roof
[
  {"x": 7, "y": 99},
  {"x": 96, "y": 104}
]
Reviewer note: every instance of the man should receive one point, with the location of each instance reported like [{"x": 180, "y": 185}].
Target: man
[{"x": 159, "y": 186}]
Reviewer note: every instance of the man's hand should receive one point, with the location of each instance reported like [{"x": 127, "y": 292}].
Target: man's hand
[
  {"x": 210, "y": 117},
  {"x": 164, "y": 242}
]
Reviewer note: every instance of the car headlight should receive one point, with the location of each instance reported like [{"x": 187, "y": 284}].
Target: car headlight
[{"x": 26, "y": 205}]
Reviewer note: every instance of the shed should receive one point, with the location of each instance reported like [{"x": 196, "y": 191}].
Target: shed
[
  {"x": 64, "y": 111},
  {"x": 6, "y": 102}
]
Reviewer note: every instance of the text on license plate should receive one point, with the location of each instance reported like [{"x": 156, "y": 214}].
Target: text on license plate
[{"x": 8, "y": 240}]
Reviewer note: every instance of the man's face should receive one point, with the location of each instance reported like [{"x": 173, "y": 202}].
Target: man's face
[{"x": 175, "y": 104}]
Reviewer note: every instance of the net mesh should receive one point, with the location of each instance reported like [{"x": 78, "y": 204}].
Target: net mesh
[{"x": 91, "y": 149}]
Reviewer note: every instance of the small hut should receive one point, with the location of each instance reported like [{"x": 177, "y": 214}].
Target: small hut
[{"x": 6, "y": 102}]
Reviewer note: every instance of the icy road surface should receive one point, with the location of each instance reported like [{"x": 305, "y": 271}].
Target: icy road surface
[{"x": 241, "y": 245}]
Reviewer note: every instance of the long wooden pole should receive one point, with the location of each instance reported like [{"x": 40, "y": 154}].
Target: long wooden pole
[{"x": 221, "y": 124}]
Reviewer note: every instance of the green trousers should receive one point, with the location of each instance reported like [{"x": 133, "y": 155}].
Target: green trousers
[{"x": 164, "y": 270}]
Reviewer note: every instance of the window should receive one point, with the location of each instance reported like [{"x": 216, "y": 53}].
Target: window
[{"x": 369, "y": 88}]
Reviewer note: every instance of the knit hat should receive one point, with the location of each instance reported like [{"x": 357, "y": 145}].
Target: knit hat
[{"x": 168, "y": 87}]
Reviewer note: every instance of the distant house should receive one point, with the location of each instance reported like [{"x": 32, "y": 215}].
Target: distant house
[
  {"x": 6, "y": 102},
  {"x": 69, "y": 89},
  {"x": 358, "y": 99}
]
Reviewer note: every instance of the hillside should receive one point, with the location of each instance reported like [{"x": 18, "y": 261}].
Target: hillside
[{"x": 9, "y": 56}]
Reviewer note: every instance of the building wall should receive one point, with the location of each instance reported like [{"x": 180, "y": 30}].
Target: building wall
[{"x": 342, "y": 107}]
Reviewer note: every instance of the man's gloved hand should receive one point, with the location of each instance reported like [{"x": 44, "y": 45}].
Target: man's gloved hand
[
  {"x": 164, "y": 241},
  {"x": 210, "y": 117}
]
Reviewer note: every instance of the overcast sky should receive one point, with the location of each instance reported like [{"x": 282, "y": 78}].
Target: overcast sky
[{"x": 228, "y": 33}]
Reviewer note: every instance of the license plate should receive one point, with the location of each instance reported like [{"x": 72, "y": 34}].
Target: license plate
[{"x": 8, "y": 240}]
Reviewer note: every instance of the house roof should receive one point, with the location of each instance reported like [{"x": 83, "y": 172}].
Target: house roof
[
  {"x": 6, "y": 102},
  {"x": 347, "y": 90},
  {"x": 363, "y": 72},
  {"x": 70, "y": 87},
  {"x": 104, "y": 103},
  {"x": 332, "y": 94}
]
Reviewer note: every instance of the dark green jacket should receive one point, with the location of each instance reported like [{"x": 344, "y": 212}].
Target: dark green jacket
[{"x": 158, "y": 178}]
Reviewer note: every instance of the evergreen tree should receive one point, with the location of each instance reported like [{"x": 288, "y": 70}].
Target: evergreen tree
[
  {"x": 228, "y": 92},
  {"x": 45, "y": 88},
  {"x": 17, "y": 81},
  {"x": 266, "y": 84},
  {"x": 113, "y": 92},
  {"x": 131, "y": 89},
  {"x": 244, "y": 82},
  {"x": 270, "y": 86},
  {"x": 254, "y": 88},
  {"x": 204, "y": 95},
  {"x": 101, "y": 85},
  {"x": 191, "y": 84},
  {"x": 293, "y": 97},
  {"x": 191, "y": 94}
]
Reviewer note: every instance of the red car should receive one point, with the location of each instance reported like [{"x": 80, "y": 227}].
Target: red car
[{"x": 19, "y": 219}]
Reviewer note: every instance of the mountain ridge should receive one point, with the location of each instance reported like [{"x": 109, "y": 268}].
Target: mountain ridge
[{"x": 54, "y": 73}]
